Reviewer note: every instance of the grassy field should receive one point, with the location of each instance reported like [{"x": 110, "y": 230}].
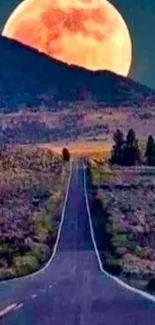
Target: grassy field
[
  {"x": 98, "y": 149},
  {"x": 123, "y": 211},
  {"x": 32, "y": 188},
  {"x": 77, "y": 124}
]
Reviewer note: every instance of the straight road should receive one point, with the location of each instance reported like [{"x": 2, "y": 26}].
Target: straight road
[{"x": 73, "y": 290}]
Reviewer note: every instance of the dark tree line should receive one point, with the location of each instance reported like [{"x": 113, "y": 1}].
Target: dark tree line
[{"x": 126, "y": 151}]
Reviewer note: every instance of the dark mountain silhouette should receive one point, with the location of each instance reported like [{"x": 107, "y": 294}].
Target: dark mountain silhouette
[{"x": 30, "y": 79}]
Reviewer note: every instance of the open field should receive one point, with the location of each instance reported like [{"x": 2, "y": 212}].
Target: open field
[
  {"x": 74, "y": 124},
  {"x": 32, "y": 189},
  {"x": 80, "y": 148},
  {"x": 123, "y": 210}
]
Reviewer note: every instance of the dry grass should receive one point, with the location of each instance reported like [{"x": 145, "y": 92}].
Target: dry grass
[
  {"x": 81, "y": 148},
  {"x": 49, "y": 118},
  {"x": 127, "y": 202},
  {"x": 32, "y": 186},
  {"x": 92, "y": 149}
]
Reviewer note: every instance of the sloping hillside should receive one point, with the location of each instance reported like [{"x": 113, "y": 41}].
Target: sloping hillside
[
  {"x": 43, "y": 100},
  {"x": 31, "y": 80}
]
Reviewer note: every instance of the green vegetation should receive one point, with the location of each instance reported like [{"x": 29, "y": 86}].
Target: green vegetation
[
  {"x": 24, "y": 264},
  {"x": 32, "y": 185},
  {"x": 126, "y": 152},
  {"x": 122, "y": 203},
  {"x": 150, "y": 151}
]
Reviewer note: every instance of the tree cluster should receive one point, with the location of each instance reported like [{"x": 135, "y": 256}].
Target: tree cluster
[{"x": 126, "y": 151}]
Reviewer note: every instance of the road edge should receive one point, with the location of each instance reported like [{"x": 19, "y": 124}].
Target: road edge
[
  {"x": 118, "y": 281},
  {"x": 31, "y": 275}
]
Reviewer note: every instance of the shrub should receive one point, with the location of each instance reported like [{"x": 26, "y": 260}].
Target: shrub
[
  {"x": 41, "y": 252},
  {"x": 151, "y": 284},
  {"x": 25, "y": 264},
  {"x": 119, "y": 240},
  {"x": 31, "y": 186},
  {"x": 6, "y": 273},
  {"x": 113, "y": 266},
  {"x": 65, "y": 154}
]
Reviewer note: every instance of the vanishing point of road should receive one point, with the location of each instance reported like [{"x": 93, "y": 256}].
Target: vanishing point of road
[{"x": 72, "y": 290}]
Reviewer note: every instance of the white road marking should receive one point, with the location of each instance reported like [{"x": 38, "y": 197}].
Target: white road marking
[
  {"x": 19, "y": 306},
  {"x": 120, "y": 282},
  {"x": 33, "y": 296},
  {"x": 8, "y": 309},
  {"x": 30, "y": 276}
]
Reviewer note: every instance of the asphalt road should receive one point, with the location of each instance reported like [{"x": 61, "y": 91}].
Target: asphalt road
[{"x": 73, "y": 290}]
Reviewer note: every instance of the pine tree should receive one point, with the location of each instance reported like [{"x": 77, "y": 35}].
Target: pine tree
[
  {"x": 130, "y": 138},
  {"x": 125, "y": 152},
  {"x": 137, "y": 152},
  {"x": 129, "y": 149},
  {"x": 116, "y": 157},
  {"x": 150, "y": 151},
  {"x": 118, "y": 138}
]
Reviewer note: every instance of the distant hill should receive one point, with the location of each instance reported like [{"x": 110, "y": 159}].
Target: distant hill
[
  {"x": 44, "y": 100},
  {"x": 31, "y": 80}
]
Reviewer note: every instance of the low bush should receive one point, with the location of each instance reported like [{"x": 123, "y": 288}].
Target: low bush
[{"x": 32, "y": 188}]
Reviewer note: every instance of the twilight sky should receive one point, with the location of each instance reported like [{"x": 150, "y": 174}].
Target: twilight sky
[{"x": 140, "y": 19}]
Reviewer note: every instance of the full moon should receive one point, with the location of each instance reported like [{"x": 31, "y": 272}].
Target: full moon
[{"x": 87, "y": 33}]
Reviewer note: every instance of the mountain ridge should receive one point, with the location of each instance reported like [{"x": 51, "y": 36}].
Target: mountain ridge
[{"x": 30, "y": 78}]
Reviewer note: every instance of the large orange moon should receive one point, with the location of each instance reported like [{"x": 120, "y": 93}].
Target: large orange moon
[{"x": 86, "y": 33}]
